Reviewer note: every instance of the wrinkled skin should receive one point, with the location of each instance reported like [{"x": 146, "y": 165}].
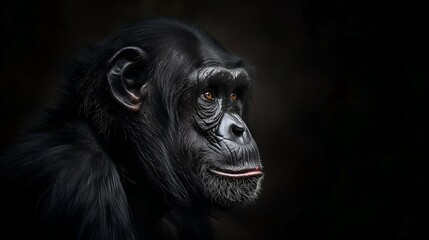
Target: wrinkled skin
[
  {"x": 145, "y": 140},
  {"x": 230, "y": 167}
]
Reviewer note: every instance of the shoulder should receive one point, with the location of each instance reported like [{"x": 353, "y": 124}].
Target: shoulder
[
  {"x": 67, "y": 183},
  {"x": 46, "y": 154}
]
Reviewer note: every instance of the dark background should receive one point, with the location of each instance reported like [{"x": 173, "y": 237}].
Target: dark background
[{"x": 339, "y": 108}]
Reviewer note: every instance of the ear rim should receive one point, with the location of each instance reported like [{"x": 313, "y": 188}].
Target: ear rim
[{"x": 129, "y": 97}]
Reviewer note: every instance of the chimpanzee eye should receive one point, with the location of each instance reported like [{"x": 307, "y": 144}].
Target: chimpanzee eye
[
  {"x": 234, "y": 96},
  {"x": 208, "y": 95}
]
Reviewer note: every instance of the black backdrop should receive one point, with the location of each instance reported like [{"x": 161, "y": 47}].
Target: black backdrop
[{"x": 339, "y": 109}]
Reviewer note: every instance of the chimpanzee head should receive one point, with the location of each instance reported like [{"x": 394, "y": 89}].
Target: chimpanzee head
[{"x": 177, "y": 99}]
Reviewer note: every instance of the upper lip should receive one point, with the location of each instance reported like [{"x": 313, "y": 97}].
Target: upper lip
[{"x": 238, "y": 173}]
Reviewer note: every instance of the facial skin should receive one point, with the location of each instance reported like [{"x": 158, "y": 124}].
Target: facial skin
[{"x": 231, "y": 170}]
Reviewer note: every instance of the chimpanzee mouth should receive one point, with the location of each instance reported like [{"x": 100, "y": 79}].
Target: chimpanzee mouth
[{"x": 240, "y": 173}]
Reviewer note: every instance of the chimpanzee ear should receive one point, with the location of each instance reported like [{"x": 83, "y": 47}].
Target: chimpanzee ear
[{"x": 127, "y": 77}]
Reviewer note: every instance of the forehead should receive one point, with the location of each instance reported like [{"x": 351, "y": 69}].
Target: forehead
[
  {"x": 186, "y": 51},
  {"x": 219, "y": 74},
  {"x": 201, "y": 63}
]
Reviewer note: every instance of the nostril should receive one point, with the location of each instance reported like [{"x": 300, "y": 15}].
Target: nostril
[
  {"x": 237, "y": 130},
  {"x": 233, "y": 128}
]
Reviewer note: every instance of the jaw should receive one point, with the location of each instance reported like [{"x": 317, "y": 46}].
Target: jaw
[
  {"x": 231, "y": 189},
  {"x": 228, "y": 174}
]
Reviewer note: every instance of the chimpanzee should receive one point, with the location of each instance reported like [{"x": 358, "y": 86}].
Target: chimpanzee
[{"x": 145, "y": 140}]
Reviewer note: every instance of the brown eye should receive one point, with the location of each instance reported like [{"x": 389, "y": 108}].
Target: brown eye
[
  {"x": 208, "y": 95},
  {"x": 233, "y": 96}
]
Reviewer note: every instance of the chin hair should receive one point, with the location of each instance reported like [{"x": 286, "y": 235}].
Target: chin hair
[{"x": 230, "y": 192}]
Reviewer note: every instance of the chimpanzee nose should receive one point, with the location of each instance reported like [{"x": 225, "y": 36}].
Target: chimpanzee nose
[{"x": 233, "y": 128}]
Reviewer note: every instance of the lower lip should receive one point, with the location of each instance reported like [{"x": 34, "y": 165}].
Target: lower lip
[{"x": 250, "y": 173}]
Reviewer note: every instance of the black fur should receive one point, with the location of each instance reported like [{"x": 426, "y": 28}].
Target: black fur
[{"x": 89, "y": 168}]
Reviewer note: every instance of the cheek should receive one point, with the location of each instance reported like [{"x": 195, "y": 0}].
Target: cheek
[
  {"x": 208, "y": 114},
  {"x": 193, "y": 146}
]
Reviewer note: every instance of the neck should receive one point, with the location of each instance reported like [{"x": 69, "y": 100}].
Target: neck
[{"x": 146, "y": 204}]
